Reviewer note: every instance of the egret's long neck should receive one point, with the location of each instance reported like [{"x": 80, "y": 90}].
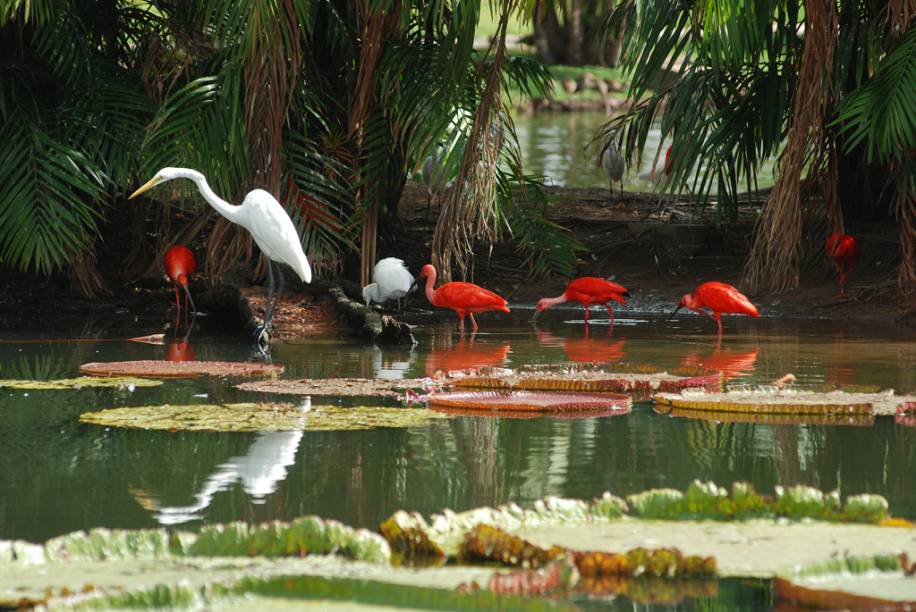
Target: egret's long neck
[
  {"x": 222, "y": 206},
  {"x": 431, "y": 287}
]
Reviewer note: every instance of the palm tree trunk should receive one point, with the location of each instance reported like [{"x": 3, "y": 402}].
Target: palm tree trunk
[
  {"x": 774, "y": 260},
  {"x": 377, "y": 27}
]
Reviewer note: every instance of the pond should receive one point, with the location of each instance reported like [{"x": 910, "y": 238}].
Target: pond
[
  {"x": 560, "y": 147},
  {"x": 60, "y": 475}
]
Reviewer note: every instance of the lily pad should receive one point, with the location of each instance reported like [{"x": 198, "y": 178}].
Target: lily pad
[
  {"x": 771, "y": 400},
  {"x": 531, "y": 401},
  {"x": 586, "y": 378},
  {"x": 259, "y": 417},
  {"x": 151, "y": 368},
  {"x": 82, "y": 382},
  {"x": 340, "y": 387},
  {"x": 769, "y": 418},
  {"x": 851, "y": 583}
]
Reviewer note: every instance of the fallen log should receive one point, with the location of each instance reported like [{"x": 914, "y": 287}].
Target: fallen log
[{"x": 381, "y": 329}]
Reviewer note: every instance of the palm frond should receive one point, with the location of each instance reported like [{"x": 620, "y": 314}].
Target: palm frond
[{"x": 50, "y": 199}]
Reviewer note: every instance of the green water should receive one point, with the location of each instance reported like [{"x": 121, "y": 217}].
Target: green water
[
  {"x": 60, "y": 475},
  {"x": 561, "y": 147}
]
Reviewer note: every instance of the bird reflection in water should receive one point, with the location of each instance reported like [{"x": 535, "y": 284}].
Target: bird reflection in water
[
  {"x": 590, "y": 348},
  {"x": 466, "y": 354},
  {"x": 260, "y": 470},
  {"x": 732, "y": 364},
  {"x": 391, "y": 365}
]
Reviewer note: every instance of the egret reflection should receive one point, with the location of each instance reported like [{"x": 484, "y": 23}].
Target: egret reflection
[{"x": 259, "y": 470}]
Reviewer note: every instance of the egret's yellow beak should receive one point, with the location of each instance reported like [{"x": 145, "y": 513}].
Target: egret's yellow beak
[{"x": 146, "y": 187}]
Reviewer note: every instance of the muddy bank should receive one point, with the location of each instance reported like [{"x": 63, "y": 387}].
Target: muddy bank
[{"x": 659, "y": 247}]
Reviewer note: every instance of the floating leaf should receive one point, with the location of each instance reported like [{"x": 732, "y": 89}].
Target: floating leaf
[
  {"x": 659, "y": 562},
  {"x": 340, "y": 387},
  {"x": 851, "y": 583},
  {"x": 707, "y": 501},
  {"x": 528, "y": 401},
  {"x": 411, "y": 545},
  {"x": 558, "y": 575},
  {"x": 82, "y": 382},
  {"x": 152, "y": 368},
  {"x": 771, "y": 400},
  {"x": 585, "y": 378},
  {"x": 768, "y": 418},
  {"x": 259, "y": 417},
  {"x": 487, "y": 543}
]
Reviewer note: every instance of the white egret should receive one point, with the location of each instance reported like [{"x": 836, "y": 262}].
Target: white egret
[
  {"x": 390, "y": 280},
  {"x": 613, "y": 163},
  {"x": 264, "y": 218}
]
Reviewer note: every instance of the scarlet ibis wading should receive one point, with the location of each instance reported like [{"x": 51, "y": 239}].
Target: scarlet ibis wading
[
  {"x": 587, "y": 290},
  {"x": 719, "y": 298},
  {"x": 844, "y": 251},
  {"x": 264, "y": 218},
  {"x": 463, "y": 298},
  {"x": 179, "y": 266}
]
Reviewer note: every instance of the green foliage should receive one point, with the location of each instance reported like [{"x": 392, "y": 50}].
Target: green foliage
[
  {"x": 732, "y": 73},
  {"x": 880, "y": 114},
  {"x": 95, "y": 98}
]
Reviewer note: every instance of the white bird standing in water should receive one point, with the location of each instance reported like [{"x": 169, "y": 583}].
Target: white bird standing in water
[
  {"x": 613, "y": 163},
  {"x": 267, "y": 222},
  {"x": 390, "y": 280}
]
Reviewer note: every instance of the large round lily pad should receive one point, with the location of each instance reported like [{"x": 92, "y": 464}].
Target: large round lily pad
[
  {"x": 82, "y": 382},
  {"x": 531, "y": 401},
  {"x": 769, "y": 418},
  {"x": 151, "y": 368},
  {"x": 258, "y": 417},
  {"x": 587, "y": 378},
  {"x": 784, "y": 401},
  {"x": 338, "y": 387}
]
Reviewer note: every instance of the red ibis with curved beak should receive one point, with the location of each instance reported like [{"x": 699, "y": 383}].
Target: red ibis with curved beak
[
  {"x": 586, "y": 290},
  {"x": 719, "y": 298},
  {"x": 180, "y": 264},
  {"x": 844, "y": 250},
  {"x": 463, "y": 298}
]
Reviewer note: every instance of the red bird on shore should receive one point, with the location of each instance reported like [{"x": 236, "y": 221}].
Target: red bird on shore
[
  {"x": 463, "y": 298},
  {"x": 180, "y": 264},
  {"x": 844, "y": 251},
  {"x": 719, "y": 298},
  {"x": 587, "y": 290}
]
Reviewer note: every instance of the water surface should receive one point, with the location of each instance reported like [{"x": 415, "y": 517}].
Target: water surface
[{"x": 60, "y": 475}]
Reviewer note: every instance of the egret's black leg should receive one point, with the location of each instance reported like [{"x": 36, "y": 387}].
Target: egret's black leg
[
  {"x": 277, "y": 293},
  {"x": 262, "y": 333}
]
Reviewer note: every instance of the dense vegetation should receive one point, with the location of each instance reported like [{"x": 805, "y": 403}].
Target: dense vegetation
[
  {"x": 330, "y": 105},
  {"x": 829, "y": 86},
  {"x": 333, "y": 104}
]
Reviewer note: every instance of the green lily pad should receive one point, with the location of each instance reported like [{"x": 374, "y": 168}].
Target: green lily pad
[
  {"x": 772, "y": 400},
  {"x": 259, "y": 417},
  {"x": 881, "y": 582},
  {"x": 81, "y": 382}
]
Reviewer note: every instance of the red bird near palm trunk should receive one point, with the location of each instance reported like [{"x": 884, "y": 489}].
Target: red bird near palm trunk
[
  {"x": 463, "y": 298},
  {"x": 719, "y": 298},
  {"x": 180, "y": 264},
  {"x": 844, "y": 251},
  {"x": 587, "y": 290}
]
